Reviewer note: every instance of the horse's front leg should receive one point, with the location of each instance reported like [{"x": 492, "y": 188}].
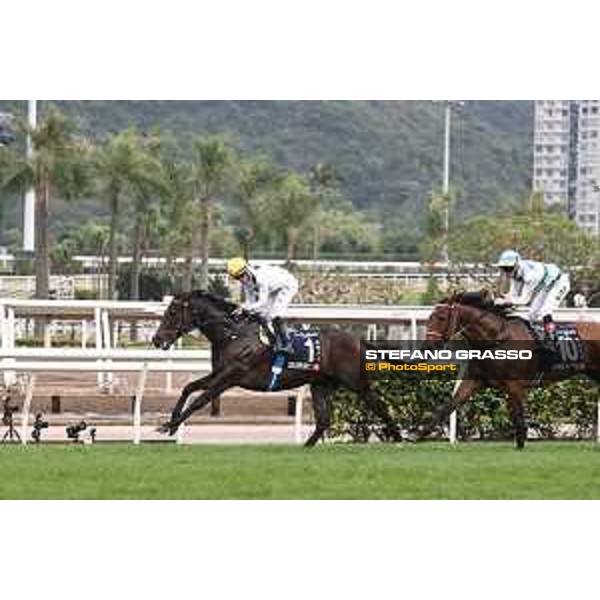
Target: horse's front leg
[
  {"x": 380, "y": 409},
  {"x": 517, "y": 413},
  {"x": 220, "y": 382},
  {"x": 187, "y": 391},
  {"x": 466, "y": 388}
]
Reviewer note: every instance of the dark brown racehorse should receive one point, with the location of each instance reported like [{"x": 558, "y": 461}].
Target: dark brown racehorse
[
  {"x": 474, "y": 317},
  {"x": 241, "y": 359}
]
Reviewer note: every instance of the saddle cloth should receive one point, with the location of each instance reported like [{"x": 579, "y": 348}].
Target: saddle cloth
[
  {"x": 306, "y": 344},
  {"x": 569, "y": 354}
]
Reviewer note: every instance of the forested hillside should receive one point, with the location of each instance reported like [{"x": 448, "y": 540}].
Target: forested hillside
[{"x": 389, "y": 154}]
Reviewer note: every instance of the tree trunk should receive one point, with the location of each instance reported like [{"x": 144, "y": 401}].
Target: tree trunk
[
  {"x": 205, "y": 214},
  {"x": 317, "y": 238},
  {"x": 292, "y": 240},
  {"x": 188, "y": 273},
  {"x": 134, "y": 280},
  {"x": 169, "y": 270},
  {"x": 112, "y": 248},
  {"x": 246, "y": 248},
  {"x": 136, "y": 258},
  {"x": 42, "y": 250},
  {"x": 42, "y": 259},
  {"x": 102, "y": 275}
]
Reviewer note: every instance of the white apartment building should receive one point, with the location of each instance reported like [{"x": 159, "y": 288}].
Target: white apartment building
[{"x": 566, "y": 157}]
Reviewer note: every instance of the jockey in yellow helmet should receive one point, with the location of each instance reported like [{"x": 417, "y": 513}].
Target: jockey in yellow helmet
[{"x": 268, "y": 291}]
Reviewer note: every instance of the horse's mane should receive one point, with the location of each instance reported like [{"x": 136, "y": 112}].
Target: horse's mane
[
  {"x": 482, "y": 300},
  {"x": 215, "y": 300}
]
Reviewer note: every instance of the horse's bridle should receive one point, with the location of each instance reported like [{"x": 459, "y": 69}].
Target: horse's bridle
[
  {"x": 193, "y": 322},
  {"x": 451, "y": 334}
]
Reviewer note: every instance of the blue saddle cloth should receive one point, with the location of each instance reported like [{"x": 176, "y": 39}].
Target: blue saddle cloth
[{"x": 306, "y": 344}]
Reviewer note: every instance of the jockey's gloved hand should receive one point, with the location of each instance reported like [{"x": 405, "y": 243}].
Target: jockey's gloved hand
[
  {"x": 239, "y": 312},
  {"x": 502, "y": 301}
]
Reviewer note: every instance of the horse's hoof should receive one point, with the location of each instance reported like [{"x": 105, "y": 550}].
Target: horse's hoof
[{"x": 164, "y": 428}]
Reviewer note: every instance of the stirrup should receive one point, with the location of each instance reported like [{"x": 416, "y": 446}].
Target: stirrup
[{"x": 286, "y": 349}]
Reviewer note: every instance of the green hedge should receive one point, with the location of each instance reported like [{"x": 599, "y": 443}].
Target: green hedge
[{"x": 485, "y": 416}]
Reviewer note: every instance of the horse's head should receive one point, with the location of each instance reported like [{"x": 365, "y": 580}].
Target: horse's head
[
  {"x": 443, "y": 321},
  {"x": 177, "y": 321},
  {"x": 192, "y": 310},
  {"x": 446, "y": 319}
]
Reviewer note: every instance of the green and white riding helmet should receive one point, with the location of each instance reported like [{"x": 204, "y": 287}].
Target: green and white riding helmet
[{"x": 508, "y": 259}]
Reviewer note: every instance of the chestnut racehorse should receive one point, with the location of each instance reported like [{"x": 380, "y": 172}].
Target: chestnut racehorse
[{"x": 484, "y": 326}]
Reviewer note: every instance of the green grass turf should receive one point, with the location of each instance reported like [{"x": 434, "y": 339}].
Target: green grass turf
[{"x": 564, "y": 470}]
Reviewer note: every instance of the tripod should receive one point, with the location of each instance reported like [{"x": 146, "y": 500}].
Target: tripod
[{"x": 11, "y": 435}]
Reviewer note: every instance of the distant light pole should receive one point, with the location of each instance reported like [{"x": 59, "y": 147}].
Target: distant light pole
[
  {"x": 448, "y": 106},
  {"x": 29, "y": 208}
]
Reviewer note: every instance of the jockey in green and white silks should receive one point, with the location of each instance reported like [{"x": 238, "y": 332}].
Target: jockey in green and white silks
[
  {"x": 542, "y": 286},
  {"x": 268, "y": 291}
]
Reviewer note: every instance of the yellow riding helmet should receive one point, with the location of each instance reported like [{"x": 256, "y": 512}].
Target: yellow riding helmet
[{"x": 236, "y": 266}]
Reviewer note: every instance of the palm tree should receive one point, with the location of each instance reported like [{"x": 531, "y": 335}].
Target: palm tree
[
  {"x": 291, "y": 207},
  {"x": 176, "y": 212},
  {"x": 125, "y": 170},
  {"x": 57, "y": 168},
  {"x": 91, "y": 238},
  {"x": 145, "y": 206},
  {"x": 323, "y": 179},
  {"x": 254, "y": 182},
  {"x": 211, "y": 168}
]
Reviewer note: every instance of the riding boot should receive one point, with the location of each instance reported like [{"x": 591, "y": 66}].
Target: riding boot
[
  {"x": 283, "y": 344},
  {"x": 550, "y": 334}
]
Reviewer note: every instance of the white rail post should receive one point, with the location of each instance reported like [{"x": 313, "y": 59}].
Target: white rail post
[
  {"x": 107, "y": 345},
  {"x": 452, "y": 429},
  {"x": 452, "y": 426},
  {"x": 27, "y": 408},
  {"x": 413, "y": 327},
  {"x": 98, "y": 335},
  {"x": 10, "y": 377},
  {"x": 84, "y": 334},
  {"x": 137, "y": 406}
]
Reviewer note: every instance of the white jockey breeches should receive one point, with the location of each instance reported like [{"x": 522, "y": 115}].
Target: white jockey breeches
[
  {"x": 278, "y": 302},
  {"x": 546, "y": 301}
]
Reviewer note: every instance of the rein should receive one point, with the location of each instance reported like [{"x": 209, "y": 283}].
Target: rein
[
  {"x": 195, "y": 323},
  {"x": 454, "y": 319}
]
